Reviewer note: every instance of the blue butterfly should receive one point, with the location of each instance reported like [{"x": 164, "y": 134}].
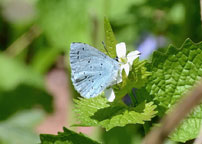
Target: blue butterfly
[{"x": 91, "y": 70}]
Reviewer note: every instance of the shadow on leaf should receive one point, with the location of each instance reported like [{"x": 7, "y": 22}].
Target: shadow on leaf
[
  {"x": 23, "y": 97},
  {"x": 109, "y": 112}
]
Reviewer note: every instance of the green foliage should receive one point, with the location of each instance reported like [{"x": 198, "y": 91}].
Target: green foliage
[
  {"x": 110, "y": 39},
  {"x": 66, "y": 137},
  {"x": 85, "y": 108},
  {"x": 137, "y": 78},
  {"x": 18, "y": 129},
  {"x": 22, "y": 74},
  {"x": 190, "y": 127},
  {"x": 98, "y": 112},
  {"x": 130, "y": 134},
  {"x": 44, "y": 59},
  {"x": 173, "y": 74},
  {"x": 163, "y": 18},
  {"x": 23, "y": 97},
  {"x": 64, "y": 21},
  {"x": 21, "y": 88}
]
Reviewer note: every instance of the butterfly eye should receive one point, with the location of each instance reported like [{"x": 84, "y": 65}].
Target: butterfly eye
[{"x": 117, "y": 59}]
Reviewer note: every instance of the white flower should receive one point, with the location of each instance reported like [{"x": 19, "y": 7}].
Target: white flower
[
  {"x": 125, "y": 63},
  {"x": 109, "y": 94}
]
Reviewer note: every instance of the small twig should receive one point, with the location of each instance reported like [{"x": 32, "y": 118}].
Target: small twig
[
  {"x": 170, "y": 121},
  {"x": 23, "y": 41},
  {"x": 201, "y": 9}
]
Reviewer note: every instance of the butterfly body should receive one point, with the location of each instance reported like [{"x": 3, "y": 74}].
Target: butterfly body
[{"x": 91, "y": 70}]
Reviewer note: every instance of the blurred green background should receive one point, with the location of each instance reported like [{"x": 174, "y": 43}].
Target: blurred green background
[{"x": 35, "y": 35}]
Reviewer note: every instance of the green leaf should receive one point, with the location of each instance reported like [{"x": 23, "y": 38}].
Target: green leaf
[
  {"x": 19, "y": 129},
  {"x": 174, "y": 73},
  {"x": 44, "y": 59},
  {"x": 130, "y": 134},
  {"x": 110, "y": 39},
  {"x": 98, "y": 112},
  {"x": 23, "y": 97},
  {"x": 64, "y": 21},
  {"x": 20, "y": 88},
  {"x": 13, "y": 73},
  {"x": 85, "y": 108},
  {"x": 66, "y": 137},
  {"x": 190, "y": 127}
]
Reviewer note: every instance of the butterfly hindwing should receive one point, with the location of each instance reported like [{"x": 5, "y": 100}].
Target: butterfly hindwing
[{"x": 92, "y": 71}]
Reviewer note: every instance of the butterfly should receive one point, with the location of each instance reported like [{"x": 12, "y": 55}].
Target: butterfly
[{"x": 91, "y": 70}]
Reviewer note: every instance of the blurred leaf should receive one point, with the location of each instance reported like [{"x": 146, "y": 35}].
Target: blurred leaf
[
  {"x": 120, "y": 8},
  {"x": 13, "y": 73},
  {"x": 97, "y": 112},
  {"x": 44, "y": 59},
  {"x": 18, "y": 128},
  {"x": 66, "y": 137},
  {"x": 64, "y": 21},
  {"x": 110, "y": 39},
  {"x": 20, "y": 88},
  {"x": 23, "y": 97},
  {"x": 177, "y": 13},
  {"x": 130, "y": 134},
  {"x": 174, "y": 73}
]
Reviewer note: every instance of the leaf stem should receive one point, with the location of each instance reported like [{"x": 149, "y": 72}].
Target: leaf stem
[
  {"x": 24, "y": 41},
  {"x": 132, "y": 98},
  {"x": 146, "y": 127}
]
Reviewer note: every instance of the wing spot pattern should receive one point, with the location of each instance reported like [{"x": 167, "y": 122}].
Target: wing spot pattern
[{"x": 87, "y": 72}]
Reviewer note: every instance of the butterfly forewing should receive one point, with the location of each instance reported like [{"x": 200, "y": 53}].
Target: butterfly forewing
[{"x": 92, "y": 71}]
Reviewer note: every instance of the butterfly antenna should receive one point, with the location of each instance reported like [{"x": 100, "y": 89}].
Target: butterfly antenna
[{"x": 105, "y": 48}]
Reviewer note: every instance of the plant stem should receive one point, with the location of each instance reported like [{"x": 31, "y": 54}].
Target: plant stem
[
  {"x": 173, "y": 118},
  {"x": 146, "y": 127},
  {"x": 132, "y": 98},
  {"x": 23, "y": 41}
]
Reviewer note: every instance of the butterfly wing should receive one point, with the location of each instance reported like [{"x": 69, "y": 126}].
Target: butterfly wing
[{"x": 92, "y": 71}]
